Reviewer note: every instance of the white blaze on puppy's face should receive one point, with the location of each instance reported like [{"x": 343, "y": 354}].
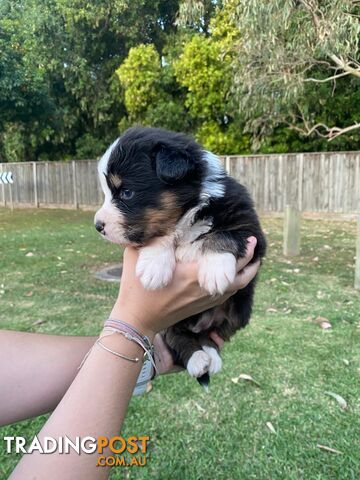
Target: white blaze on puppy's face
[{"x": 110, "y": 216}]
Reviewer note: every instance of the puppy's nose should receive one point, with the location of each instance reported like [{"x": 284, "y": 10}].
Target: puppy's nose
[{"x": 99, "y": 226}]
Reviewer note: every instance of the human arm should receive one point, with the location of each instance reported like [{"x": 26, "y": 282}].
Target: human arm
[
  {"x": 37, "y": 369},
  {"x": 96, "y": 402}
]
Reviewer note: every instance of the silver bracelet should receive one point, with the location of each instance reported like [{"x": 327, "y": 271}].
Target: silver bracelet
[{"x": 134, "y": 360}]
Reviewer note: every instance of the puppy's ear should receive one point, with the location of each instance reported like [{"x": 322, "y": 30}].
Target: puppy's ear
[{"x": 172, "y": 165}]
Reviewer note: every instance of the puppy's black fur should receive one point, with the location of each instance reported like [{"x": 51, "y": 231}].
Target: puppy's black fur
[
  {"x": 155, "y": 177},
  {"x": 234, "y": 220}
]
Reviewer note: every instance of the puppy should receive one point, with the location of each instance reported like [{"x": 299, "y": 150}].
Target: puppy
[{"x": 163, "y": 187}]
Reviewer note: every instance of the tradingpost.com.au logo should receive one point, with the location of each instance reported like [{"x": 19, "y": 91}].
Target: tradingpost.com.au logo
[{"x": 112, "y": 451}]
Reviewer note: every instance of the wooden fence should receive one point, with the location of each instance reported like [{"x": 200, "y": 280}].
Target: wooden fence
[{"x": 313, "y": 182}]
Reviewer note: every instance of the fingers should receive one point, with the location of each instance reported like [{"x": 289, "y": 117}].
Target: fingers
[
  {"x": 246, "y": 271},
  {"x": 242, "y": 262},
  {"x": 163, "y": 358},
  {"x": 130, "y": 254},
  {"x": 215, "y": 337},
  {"x": 245, "y": 276}
]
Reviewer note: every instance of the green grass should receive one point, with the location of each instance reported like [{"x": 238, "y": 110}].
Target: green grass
[{"x": 223, "y": 434}]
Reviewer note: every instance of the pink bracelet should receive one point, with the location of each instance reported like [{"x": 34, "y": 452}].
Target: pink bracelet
[{"x": 131, "y": 333}]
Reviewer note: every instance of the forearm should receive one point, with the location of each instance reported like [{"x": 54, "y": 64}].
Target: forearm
[
  {"x": 36, "y": 371},
  {"x": 94, "y": 405}
]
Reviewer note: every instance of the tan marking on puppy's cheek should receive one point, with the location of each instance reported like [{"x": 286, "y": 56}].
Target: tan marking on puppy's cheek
[
  {"x": 115, "y": 180},
  {"x": 170, "y": 204},
  {"x": 161, "y": 221},
  {"x": 168, "y": 199}
]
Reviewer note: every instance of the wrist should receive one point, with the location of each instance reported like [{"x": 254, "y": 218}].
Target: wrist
[
  {"x": 122, "y": 313},
  {"x": 115, "y": 340}
]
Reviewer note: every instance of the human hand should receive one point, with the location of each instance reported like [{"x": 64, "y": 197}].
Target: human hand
[{"x": 151, "y": 311}]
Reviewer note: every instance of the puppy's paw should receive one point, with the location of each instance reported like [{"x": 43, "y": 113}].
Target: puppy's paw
[
  {"x": 198, "y": 364},
  {"x": 215, "y": 359},
  {"x": 155, "y": 267},
  {"x": 216, "y": 272}
]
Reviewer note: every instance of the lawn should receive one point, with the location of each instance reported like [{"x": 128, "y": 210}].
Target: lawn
[{"x": 224, "y": 434}]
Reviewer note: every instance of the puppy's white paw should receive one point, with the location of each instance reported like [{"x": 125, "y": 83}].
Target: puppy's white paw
[
  {"x": 215, "y": 359},
  {"x": 216, "y": 271},
  {"x": 198, "y": 364},
  {"x": 155, "y": 267}
]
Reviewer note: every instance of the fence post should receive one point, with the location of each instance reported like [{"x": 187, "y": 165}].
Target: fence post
[
  {"x": 36, "y": 202},
  {"x": 76, "y": 203},
  {"x": 227, "y": 165},
  {"x": 11, "y": 198},
  {"x": 291, "y": 245},
  {"x": 300, "y": 182},
  {"x": 46, "y": 195},
  {"x": 357, "y": 264}
]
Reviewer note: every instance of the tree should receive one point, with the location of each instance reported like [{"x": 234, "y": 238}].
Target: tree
[
  {"x": 302, "y": 43},
  {"x": 151, "y": 95},
  {"x": 197, "y": 14},
  {"x": 73, "y": 72},
  {"x": 186, "y": 86},
  {"x": 139, "y": 75},
  {"x": 204, "y": 69},
  {"x": 24, "y": 94},
  {"x": 70, "y": 49}
]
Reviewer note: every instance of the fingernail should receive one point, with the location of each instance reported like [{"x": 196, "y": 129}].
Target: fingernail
[{"x": 252, "y": 240}]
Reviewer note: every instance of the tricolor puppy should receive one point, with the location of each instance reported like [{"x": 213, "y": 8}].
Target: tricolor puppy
[{"x": 164, "y": 188}]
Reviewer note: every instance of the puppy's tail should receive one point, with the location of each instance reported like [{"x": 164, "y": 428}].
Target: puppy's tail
[{"x": 204, "y": 381}]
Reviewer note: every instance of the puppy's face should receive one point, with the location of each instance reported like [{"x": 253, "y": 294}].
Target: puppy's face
[{"x": 150, "y": 178}]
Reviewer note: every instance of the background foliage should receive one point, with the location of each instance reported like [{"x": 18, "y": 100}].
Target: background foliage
[{"x": 73, "y": 74}]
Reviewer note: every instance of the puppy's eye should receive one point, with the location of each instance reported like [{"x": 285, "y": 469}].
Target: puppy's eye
[{"x": 126, "y": 194}]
